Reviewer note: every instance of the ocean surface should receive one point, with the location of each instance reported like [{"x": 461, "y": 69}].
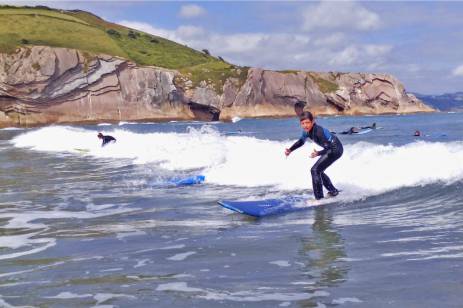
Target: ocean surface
[{"x": 86, "y": 226}]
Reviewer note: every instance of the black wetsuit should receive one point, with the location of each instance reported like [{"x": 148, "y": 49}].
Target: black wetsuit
[
  {"x": 107, "y": 139},
  {"x": 352, "y": 130},
  {"x": 332, "y": 150}
]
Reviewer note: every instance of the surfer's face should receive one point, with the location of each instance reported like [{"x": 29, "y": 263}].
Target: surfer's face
[{"x": 306, "y": 124}]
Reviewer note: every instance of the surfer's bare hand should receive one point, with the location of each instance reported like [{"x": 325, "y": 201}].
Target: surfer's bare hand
[
  {"x": 287, "y": 152},
  {"x": 314, "y": 154}
]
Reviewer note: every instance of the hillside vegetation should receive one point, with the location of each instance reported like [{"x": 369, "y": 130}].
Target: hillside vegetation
[{"x": 76, "y": 29}]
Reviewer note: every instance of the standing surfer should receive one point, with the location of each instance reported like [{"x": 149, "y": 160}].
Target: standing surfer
[{"x": 332, "y": 151}]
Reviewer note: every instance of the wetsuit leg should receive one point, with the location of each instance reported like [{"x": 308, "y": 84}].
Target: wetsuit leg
[
  {"x": 327, "y": 182},
  {"x": 319, "y": 177},
  {"x": 317, "y": 182}
]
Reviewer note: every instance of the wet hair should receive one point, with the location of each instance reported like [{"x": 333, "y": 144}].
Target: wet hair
[
  {"x": 306, "y": 115},
  {"x": 100, "y": 135}
]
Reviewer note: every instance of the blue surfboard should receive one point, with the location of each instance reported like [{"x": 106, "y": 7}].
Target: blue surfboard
[
  {"x": 191, "y": 180},
  {"x": 261, "y": 208}
]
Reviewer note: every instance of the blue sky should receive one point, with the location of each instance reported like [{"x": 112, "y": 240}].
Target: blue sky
[{"x": 421, "y": 43}]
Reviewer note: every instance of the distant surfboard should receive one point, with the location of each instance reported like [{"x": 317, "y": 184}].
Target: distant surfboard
[
  {"x": 262, "y": 208},
  {"x": 363, "y": 131},
  {"x": 359, "y": 132},
  {"x": 191, "y": 180},
  {"x": 83, "y": 151}
]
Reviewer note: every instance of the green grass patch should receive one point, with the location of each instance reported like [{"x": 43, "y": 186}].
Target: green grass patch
[
  {"x": 215, "y": 74},
  {"x": 324, "y": 85},
  {"x": 36, "y": 66},
  {"x": 288, "y": 71},
  {"x": 39, "y": 12},
  {"x": 146, "y": 49},
  {"x": 43, "y": 30},
  {"x": 25, "y": 26}
]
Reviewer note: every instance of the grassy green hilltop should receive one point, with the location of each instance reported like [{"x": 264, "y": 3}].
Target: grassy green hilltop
[
  {"x": 76, "y": 29},
  {"x": 26, "y": 26}
]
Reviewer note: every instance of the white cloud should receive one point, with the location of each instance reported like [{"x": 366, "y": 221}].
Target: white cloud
[
  {"x": 348, "y": 56},
  {"x": 370, "y": 56},
  {"x": 331, "y": 40},
  {"x": 236, "y": 43},
  {"x": 376, "y": 49},
  {"x": 339, "y": 16},
  {"x": 189, "y": 32},
  {"x": 458, "y": 71},
  {"x": 191, "y": 11},
  {"x": 277, "y": 50}
]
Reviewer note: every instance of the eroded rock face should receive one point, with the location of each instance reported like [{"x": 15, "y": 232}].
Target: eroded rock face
[
  {"x": 270, "y": 93},
  {"x": 372, "y": 93},
  {"x": 42, "y": 85}
]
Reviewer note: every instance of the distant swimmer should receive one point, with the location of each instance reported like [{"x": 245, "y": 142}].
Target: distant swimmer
[
  {"x": 372, "y": 126},
  {"x": 106, "y": 139},
  {"x": 352, "y": 130},
  {"x": 356, "y": 130},
  {"x": 417, "y": 133},
  {"x": 332, "y": 151}
]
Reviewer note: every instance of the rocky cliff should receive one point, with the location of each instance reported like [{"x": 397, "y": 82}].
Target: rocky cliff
[{"x": 42, "y": 85}]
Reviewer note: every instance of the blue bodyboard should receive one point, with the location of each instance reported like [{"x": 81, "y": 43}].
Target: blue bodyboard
[
  {"x": 192, "y": 180},
  {"x": 261, "y": 208}
]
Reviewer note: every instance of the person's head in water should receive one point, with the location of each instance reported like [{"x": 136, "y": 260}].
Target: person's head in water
[
  {"x": 100, "y": 136},
  {"x": 307, "y": 120},
  {"x": 417, "y": 133}
]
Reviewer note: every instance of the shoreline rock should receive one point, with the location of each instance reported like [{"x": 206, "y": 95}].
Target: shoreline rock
[{"x": 42, "y": 85}]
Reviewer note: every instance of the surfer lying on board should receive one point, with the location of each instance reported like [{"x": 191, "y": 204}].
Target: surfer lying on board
[
  {"x": 355, "y": 130},
  {"x": 332, "y": 150},
  {"x": 352, "y": 130},
  {"x": 106, "y": 139}
]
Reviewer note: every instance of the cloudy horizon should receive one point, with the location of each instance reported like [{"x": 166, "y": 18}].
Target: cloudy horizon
[{"x": 414, "y": 41}]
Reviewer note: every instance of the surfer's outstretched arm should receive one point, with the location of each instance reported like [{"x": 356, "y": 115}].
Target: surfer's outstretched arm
[{"x": 300, "y": 142}]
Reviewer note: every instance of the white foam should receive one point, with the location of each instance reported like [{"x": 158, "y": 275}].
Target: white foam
[
  {"x": 240, "y": 296},
  {"x": 177, "y": 286},
  {"x": 281, "y": 263},
  {"x": 103, "y": 297},
  {"x": 181, "y": 256},
  {"x": 173, "y": 247},
  {"x": 25, "y": 240},
  {"x": 141, "y": 263},
  {"x": 31, "y": 243},
  {"x": 69, "y": 295},
  {"x": 344, "y": 300},
  {"x": 303, "y": 283},
  {"x": 116, "y": 269},
  {"x": 12, "y": 128},
  {"x": 123, "y": 235},
  {"x": 365, "y": 168},
  {"x": 4, "y": 304}
]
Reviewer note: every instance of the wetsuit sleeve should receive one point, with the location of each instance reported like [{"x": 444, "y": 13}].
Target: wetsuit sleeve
[
  {"x": 325, "y": 137},
  {"x": 300, "y": 142}
]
